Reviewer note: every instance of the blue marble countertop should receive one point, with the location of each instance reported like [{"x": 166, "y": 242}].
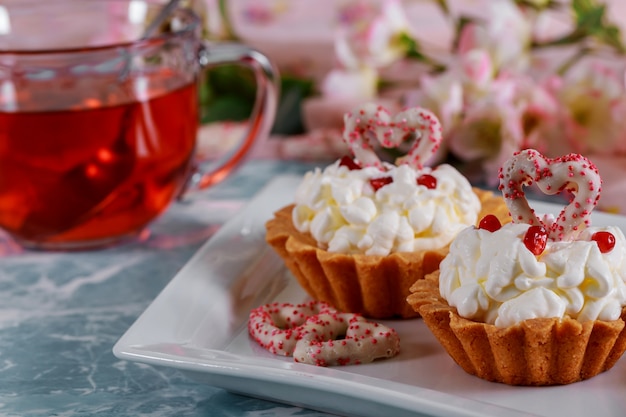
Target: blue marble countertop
[{"x": 61, "y": 314}]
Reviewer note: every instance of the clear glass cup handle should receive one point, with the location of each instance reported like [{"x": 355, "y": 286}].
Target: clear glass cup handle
[{"x": 261, "y": 118}]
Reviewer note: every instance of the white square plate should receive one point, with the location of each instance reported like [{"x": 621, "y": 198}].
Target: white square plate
[{"x": 198, "y": 325}]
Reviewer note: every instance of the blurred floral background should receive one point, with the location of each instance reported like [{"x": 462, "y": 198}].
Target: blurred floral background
[{"x": 502, "y": 75}]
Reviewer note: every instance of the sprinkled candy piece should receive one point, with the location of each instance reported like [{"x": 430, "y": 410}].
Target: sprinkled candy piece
[
  {"x": 371, "y": 122},
  {"x": 277, "y": 327},
  {"x": 364, "y": 342},
  {"x": 573, "y": 173},
  {"x": 317, "y": 334}
]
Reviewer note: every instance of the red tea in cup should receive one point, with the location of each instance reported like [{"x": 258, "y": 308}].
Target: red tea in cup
[
  {"x": 96, "y": 140},
  {"x": 91, "y": 173}
]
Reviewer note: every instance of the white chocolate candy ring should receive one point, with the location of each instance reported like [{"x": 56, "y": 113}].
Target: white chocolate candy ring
[
  {"x": 572, "y": 172},
  {"x": 371, "y": 122},
  {"x": 277, "y": 327},
  {"x": 364, "y": 342},
  {"x": 317, "y": 334}
]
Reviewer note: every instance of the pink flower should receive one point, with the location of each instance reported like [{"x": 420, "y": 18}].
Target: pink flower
[
  {"x": 443, "y": 95},
  {"x": 448, "y": 93},
  {"x": 593, "y": 106},
  {"x": 360, "y": 83},
  {"x": 488, "y": 135},
  {"x": 505, "y": 35},
  {"x": 541, "y": 118},
  {"x": 478, "y": 69},
  {"x": 369, "y": 33},
  {"x": 477, "y": 74}
]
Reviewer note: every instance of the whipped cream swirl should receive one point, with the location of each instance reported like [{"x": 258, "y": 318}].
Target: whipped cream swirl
[
  {"x": 493, "y": 278},
  {"x": 341, "y": 209}
]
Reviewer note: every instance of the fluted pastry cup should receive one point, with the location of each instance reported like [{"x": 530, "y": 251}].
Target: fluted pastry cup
[
  {"x": 372, "y": 285},
  {"x": 542, "y": 351}
]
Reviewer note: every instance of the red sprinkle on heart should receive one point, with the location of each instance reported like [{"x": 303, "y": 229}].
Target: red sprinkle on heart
[
  {"x": 605, "y": 241},
  {"x": 378, "y": 183},
  {"x": 348, "y": 162},
  {"x": 490, "y": 223},
  {"x": 535, "y": 239},
  {"x": 427, "y": 181}
]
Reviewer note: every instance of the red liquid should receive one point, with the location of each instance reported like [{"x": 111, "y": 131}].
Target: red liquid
[{"x": 94, "y": 174}]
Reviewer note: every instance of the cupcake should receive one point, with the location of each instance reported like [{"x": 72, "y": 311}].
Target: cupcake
[
  {"x": 361, "y": 230},
  {"x": 537, "y": 301}
]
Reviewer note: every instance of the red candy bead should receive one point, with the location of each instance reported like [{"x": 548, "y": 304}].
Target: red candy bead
[
  {"x": 535, "y": 239},
  {"x": 605, "y": 241},
  {"x": 348, "y": 162},
  {"x": 427, "y": 181},
  {"x": 490, "y": 223},
  {"x": 378, "y": 183}
]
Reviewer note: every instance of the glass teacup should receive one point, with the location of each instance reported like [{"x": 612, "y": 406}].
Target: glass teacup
[{"x": 98, "y": 124}]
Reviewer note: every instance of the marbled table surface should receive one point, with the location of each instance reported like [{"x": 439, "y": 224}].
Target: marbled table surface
[{"x": 61, "y": 314}]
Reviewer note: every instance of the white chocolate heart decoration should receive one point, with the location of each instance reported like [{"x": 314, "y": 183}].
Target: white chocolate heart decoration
[
  {"x": 572, "y": 172},
  {"x": 370, "y": 123}
]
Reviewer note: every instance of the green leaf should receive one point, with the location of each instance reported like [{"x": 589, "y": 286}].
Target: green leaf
[
  {"x": 228, "y": 28},
  {"x": 227, "y": 79},
  {"x": 592, "y": 20},
  {"x": 226, "y": 92},
  {"x": 227, "y": 107},
  {"x": 581, "y": 7},
  {"x": 411, "y": 46},
  {"x": 590, "y": 23},
  {"x": 551, "y": 4},
  {"x": 611, "y": 36},
  {"x": 443, "y": 5},
  {"x": 413, "y": 51},
  {"x": 288, "y": 115}
]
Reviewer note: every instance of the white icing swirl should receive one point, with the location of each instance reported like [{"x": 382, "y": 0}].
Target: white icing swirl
[
  {"x": 494, "y": 278},
  {"x": 345, "y": 214}
]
